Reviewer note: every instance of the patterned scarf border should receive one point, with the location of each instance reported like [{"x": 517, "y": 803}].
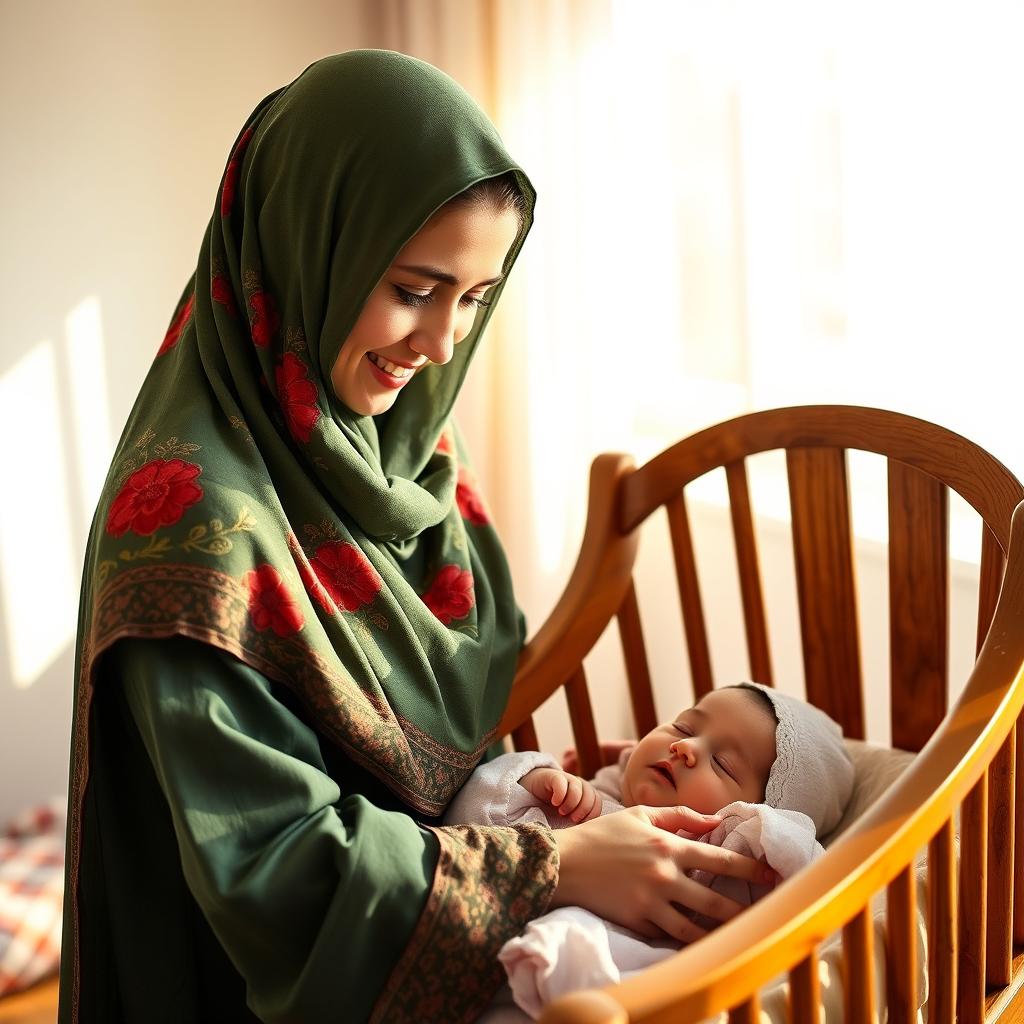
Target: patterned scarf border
[{"x": 489, "y": 883}]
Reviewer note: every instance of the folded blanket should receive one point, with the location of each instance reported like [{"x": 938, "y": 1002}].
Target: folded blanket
[{"x": 31, "y": 896}]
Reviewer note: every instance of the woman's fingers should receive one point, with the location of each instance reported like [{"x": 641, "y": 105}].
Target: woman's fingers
[
  {"x": 717, "y": 861},
  {"x": 700, "y": 899},
  {"x": 670, "y": 921},
  {"x": 676, "y": 819}
]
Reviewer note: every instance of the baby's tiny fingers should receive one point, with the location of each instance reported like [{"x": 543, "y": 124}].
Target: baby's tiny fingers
[{"x": 559, "y": 787}]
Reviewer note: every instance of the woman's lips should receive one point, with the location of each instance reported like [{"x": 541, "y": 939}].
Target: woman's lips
[{"x": 388, "y": 380}]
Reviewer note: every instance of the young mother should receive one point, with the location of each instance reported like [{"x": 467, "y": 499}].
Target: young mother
[{"x": 297, "y": 625}]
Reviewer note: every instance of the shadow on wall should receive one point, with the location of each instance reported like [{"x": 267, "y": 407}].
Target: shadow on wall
[{"x": 122, "y": 138}]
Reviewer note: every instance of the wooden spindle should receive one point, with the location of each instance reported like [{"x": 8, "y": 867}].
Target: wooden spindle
[
  {"x": 859, "y": 976},
  {"x": 805, "y": 991},
  {"x": 823, "y": 552},
  {"x": 525, "y": 736},
  {"x": 689, "y": 596},
  {"x": 971, "y": 905},
  {"x": 750, "y": 572},
  {"x": 1018, "y": 835},
  {"x": 637, "y": 670},
  {"x": 918, "y": 604},
  {"x": 990, "y": 576},
  {"x": 999, "y": 926},
  {"x": 942, "y": 935},
  {"x": 901, "y": 948},
  {"x": 748, "y": 1012},
  {"x": 584, "y": 732}
]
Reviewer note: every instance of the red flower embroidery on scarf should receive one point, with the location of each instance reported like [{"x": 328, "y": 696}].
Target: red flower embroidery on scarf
[
  {"x": 451, "y": 594},
  {"x": 153, "y": 496},
  {"x": 297, "y": 395},
  {"x": 220, "y": 291},
  {"x": 271, "y": 606},
  {"x": 345, "y": 574},
  {"x": 227, "y": 196},
  {"x": 177, "y": 326},
  {"x": 265, "y": 319},
  {"x": 444, "y": 444},
  {"x": 471, "y": 505}
]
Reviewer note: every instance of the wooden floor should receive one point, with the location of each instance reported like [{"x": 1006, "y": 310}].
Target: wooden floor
[{"x": 36, "y": 1005}]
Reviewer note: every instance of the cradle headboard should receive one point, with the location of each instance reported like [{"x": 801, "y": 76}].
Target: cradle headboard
[{"x": 924, "y": 462}]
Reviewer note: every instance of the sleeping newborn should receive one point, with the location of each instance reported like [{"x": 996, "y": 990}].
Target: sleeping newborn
[{"x": 772, "y": 766}]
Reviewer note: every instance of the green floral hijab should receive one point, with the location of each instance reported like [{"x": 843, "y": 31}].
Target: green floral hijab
[{"x": 348, "y": 557}]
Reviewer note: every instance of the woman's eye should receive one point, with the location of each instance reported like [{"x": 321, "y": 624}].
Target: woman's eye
[
  {"x": 411, "y": 298},
  {"x": 477, "y": 301}
]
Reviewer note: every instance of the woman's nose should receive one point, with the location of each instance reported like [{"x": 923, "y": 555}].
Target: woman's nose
[
  {"x": 685, "y": 750},
  {"x": 436, "y": 338}
]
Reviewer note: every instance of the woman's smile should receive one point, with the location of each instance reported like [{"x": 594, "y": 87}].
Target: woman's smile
[{"x": 390, "y": 374}]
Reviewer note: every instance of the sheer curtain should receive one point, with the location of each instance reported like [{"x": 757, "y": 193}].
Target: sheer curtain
[{"x": 741, "y": 205}]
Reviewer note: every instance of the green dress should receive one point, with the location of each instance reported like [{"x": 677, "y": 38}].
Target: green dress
[{"x": 297, "y": 629}]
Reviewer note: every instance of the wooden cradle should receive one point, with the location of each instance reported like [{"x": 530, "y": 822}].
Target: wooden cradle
[{"x": 970, "y": 760}]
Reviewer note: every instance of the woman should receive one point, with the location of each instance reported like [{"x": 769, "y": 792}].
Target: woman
[{"x": 297, "y": 629}]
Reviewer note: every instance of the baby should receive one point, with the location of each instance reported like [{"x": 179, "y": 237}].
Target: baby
[
  {"x": 774, "y": 769},
  {"x": 746, "y": 743}
]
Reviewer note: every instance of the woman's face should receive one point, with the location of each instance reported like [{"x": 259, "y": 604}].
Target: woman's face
[{"x": 424, "y": 305}]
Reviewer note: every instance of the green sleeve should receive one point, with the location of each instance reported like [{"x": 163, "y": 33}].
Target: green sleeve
[{"x": 329, "y": 905}]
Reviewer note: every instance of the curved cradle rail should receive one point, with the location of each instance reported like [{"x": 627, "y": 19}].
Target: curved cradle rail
[{"x": 968, "y": 766}]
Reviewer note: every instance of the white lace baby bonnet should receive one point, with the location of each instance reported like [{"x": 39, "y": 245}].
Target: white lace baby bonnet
[{"x": 812, "y": 772}]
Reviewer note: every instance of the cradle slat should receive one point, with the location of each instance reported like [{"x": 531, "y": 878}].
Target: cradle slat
[
  {"x": 998, "y": 932},
  {"x": 689, "y": 596},
  {"x": 581, "y": 717},
  {"x": 525, "y": 736},
  {"x": 822, "y": 546},
  {"x": 970, "y": 988},
  {"x": 1018, "y": 834},
  {"x": 990, "y": 578},
  {"x": 748, "y": 1012},
  {"x": 918, "y": 603},
  {"x": 901, "y": 948},
  {"x": 637, "y": 670},
  {"x": 941, "y": 927},
  {"x": 750, "y": 572},
  {"x": 858, "y": 952},
  {"x": 804, "y": 991}
]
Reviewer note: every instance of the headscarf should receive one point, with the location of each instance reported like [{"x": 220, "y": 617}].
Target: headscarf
[{"x": 346, "y": 556}]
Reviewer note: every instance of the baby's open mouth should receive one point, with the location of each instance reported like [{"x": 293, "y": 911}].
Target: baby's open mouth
[{"x": 666, "y": 773}]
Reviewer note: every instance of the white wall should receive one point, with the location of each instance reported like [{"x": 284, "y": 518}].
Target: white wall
[{"x": 117, "y": 119}]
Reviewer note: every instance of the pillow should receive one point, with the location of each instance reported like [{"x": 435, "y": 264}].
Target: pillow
[{"x": 875, "y": 769}]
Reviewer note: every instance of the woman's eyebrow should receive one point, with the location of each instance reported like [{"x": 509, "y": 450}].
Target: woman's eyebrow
[{"x": 442, "y": 276}]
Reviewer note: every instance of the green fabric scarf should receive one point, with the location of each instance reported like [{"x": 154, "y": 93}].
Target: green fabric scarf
[{"x": 346, "y": 556}]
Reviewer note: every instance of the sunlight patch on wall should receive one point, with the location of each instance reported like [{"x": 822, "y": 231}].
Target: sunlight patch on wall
[
  {"x": 90, "y": 408},
  {"x": 38, "y": 568}
]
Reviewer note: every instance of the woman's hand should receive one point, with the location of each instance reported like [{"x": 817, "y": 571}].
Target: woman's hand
[{"x": 628, "y": 867}]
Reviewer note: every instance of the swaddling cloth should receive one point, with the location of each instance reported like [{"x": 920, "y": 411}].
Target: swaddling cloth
[{"x": 571, "y": 948}]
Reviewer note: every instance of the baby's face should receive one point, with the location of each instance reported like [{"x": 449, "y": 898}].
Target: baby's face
[{"x": 718, "y": 751}]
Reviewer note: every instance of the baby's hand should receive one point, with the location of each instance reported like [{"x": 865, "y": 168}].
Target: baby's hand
[{"x": 572, "y": 796}]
